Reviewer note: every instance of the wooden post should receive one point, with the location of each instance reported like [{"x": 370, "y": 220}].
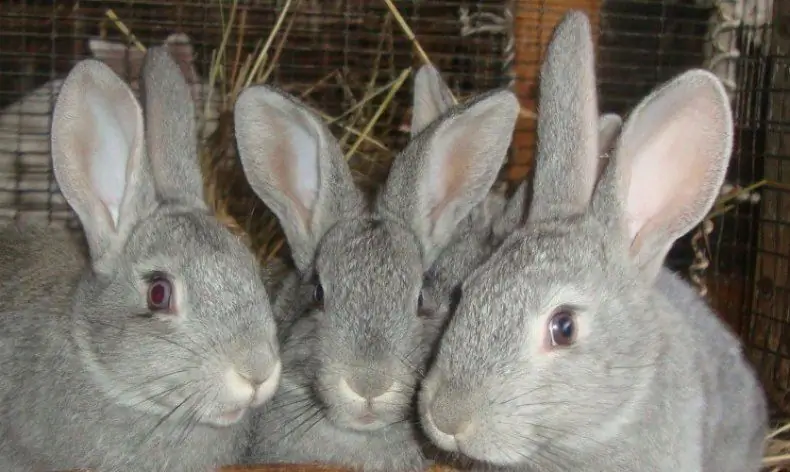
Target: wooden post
[
  {"x": 304, "y": 468},
  {"x": 768, "y": 336},
  {"x": 534, "y": 23}
]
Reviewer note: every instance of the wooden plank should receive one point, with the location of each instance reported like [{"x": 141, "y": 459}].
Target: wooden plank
[
  {"x": 534, "y": 23},
  {"x": 769, "y": 328},
  {"x": 304, "y": 468},
  {"x": 296, "y": 468}
]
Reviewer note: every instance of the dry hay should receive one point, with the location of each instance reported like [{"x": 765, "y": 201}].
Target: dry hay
[
  {"x": 227, "y": 190},
  {"x": 777, "y": 448}
]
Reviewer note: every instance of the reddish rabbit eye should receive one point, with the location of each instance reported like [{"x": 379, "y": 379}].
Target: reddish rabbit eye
[
  {"x": 159, "y": 292},
  {"x": 562, "y": 328}
]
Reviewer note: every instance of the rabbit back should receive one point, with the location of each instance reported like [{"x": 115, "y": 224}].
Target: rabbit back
[
  {"x": 39, "y": 264},
  {"x": 733, "y": 438}
]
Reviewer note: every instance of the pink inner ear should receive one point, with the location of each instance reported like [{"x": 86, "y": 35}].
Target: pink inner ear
[
  {"x": 451, "y": 171},
  {"x": 668, "y": 172},
  {"x": 285, "y": 171}
]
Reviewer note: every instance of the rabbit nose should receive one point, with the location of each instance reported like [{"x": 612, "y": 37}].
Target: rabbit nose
[
  {"x": 368, "y": 386},
  {"x": 263, "y": 374},
  {"x": 450, "y": 414},
  {"x": 264, "y": 383}
]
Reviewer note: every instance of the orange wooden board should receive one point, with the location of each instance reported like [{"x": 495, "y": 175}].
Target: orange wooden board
[
  {"x": 534, "y": 24},
  {"x": 297, "y": 468},
  {"x": 305, "y": 468}
]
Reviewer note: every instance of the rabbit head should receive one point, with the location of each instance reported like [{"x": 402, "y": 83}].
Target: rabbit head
[
  {"x": 172, "y": 318},
  {"x": 363, "y": 262},
  {"x": 551, "y": 346},
  {"x": 489, "y": 223}
]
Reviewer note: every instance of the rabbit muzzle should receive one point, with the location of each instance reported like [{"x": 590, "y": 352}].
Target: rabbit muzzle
[
  {"x": 363, "y": 401},
  {"x": 242, "y": 392}
]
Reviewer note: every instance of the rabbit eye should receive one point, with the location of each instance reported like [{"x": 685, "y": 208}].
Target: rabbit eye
[
  {"x": 318, "y": 293},
  {"x": 160, "y": 291},
  {"x": 455, "y": 297},
  {"x": 562, "y": 328}
]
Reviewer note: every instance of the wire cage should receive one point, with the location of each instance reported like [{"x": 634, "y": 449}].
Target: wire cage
[
  {"x": 342, "y": 57},
  {"x": 350, "y": 60},
  {"x": 739, "y": 257}
]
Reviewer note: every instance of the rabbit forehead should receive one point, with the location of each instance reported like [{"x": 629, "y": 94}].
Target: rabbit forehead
[
  {"x": 359, "y": 258},
  {"x": 371, "y": 272},
  {"x": 506, "y": 301},
  {"x": 211, "y": 264}
]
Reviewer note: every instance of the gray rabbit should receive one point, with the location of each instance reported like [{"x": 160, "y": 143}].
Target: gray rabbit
[
  {"x": 142, "y": 346},
  {"x": 355, "y": 338},
  {"x": 572, "y": 348}
]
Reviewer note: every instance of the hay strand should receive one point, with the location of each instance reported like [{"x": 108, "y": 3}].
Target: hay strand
[
  {"x": 109, "y": 13},
  {"x": 372, "y": 122},
  {"x": 264, "y": 52},
  {"x": 407, "y": 31}
]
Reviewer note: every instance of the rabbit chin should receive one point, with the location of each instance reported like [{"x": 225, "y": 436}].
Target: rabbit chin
[
  {"x": 224, "y": 419},
  {"x": 483, "y": 446}
]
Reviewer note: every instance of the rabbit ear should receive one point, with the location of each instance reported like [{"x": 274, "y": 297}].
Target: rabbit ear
[
  {"x": 183, "y": 54},
  {"x": 609, "y": 127},
  {"x": 126, "y": 61},
  {"x": 514, "y": 213},
  {"x": 98, "y": 154},
  {"x": 669, "y": 165},
  {"x": 170, "y": 129},
  {"x": 295, "y": 165},
  {"x": 448, "y": 169},
  {"x": 432, "y": 98},
  {"x": 566, "y": 163}
]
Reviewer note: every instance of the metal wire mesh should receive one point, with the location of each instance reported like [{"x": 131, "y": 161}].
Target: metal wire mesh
[
  {"x": 739, "y": 258},
  {"x": 335, "y": 52}
]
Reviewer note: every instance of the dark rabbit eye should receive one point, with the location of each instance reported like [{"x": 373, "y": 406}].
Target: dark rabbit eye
[
  {"x": 318, "y": 293},
  {"x": 422, "y": 312},
  {"x": 160, "y": 291},
  {"x": 455, "y": 298},
  {"x": 562, "y": 328}
]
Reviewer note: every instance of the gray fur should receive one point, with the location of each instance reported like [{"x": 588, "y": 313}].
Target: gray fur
[
  {"x": 91, "y": 378},
  {"x": 432, "y": 98},
  {"x": 368, "y": 338},
  {"x": 493, "y": 219},
  {"x": 654, "y": 381}
]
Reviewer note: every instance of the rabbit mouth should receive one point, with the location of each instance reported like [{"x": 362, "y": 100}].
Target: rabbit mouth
[
  {"x": 224, "y": 419},
  {"x": 363, "y": 419}
]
